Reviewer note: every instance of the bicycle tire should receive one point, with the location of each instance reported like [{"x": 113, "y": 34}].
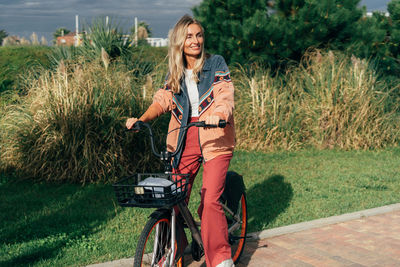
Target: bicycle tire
[
  {"x": 144, "y": 250},
  {"x": 237, "y": 238}
]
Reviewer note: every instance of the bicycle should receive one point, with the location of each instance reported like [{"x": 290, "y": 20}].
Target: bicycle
[{"x": 162, "y": 241}]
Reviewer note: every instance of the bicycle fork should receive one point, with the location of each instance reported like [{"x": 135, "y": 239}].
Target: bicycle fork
[
  {"x": 170, "y": 257},
  {"x": 173, "y": 238}
]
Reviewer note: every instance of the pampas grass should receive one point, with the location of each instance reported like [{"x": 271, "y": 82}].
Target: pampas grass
[
  {"x": 329, "y": 101},
  {"x": 70, "y": 126}
]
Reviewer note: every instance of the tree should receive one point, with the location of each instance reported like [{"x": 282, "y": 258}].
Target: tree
[
  {"x": 377, "y": 38},
  {"x": 3, "y": 34},
  {"x": 243, "y": 30},
  {"x": 394, "y": 31},
  {"x": 60, "y": 32},
  {"x": 224, "y": 23}
]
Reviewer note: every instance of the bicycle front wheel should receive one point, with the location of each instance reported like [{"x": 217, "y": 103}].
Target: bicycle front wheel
[{"x": 154, "y": 245}]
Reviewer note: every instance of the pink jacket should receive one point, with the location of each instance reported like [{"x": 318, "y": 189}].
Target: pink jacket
[{"x": 216, "y": 97}]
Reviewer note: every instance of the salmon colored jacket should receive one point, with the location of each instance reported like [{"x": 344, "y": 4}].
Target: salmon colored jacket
[{"x": 216, "y": 97}]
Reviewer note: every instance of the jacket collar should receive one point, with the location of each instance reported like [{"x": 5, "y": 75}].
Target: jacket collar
[{"x": 207, "y": 63}]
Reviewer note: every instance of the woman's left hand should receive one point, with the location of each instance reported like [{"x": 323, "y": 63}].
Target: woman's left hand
[{"x": 213, "y": 119}]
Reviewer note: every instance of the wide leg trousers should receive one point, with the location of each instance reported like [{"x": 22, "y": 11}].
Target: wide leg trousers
[{"x": 214, "y": 228}]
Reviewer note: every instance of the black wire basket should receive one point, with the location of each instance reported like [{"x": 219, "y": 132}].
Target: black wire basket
[{"x": 151, "y": 190}]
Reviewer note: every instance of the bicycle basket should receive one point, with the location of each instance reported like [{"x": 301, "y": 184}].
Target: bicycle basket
[{"x": 151, "y": 190}]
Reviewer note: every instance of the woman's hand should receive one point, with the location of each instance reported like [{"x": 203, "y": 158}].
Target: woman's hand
[
  {"x": 130, "y": 122},
  {"x": 213, "y": 119}
]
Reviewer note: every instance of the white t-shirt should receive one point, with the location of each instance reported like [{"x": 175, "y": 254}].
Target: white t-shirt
[{"x": 193, "y": 92}]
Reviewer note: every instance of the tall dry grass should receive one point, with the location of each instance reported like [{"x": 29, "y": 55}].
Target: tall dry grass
[
  {"x": 70, "y": 126},
  {"x": 329, "y": 101}
]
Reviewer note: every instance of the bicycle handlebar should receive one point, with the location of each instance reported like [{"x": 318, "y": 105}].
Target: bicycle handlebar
[{"x": 165, "y": 156}]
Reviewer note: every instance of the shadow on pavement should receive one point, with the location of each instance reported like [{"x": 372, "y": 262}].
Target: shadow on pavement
[{"x": 265, "y": 201}]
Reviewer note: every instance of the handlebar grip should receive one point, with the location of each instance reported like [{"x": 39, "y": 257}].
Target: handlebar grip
[
  {"x": 136, "y": 127},
  {"x": 221, "y": 124}
]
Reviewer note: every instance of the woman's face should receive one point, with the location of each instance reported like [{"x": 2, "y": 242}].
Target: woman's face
[{"x": 194, "y": 41}]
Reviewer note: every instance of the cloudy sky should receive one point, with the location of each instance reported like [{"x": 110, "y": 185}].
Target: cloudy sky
[{"x": 22, "y": 17}]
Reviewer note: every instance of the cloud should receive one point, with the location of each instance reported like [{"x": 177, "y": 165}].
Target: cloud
[
  {"x": 375, "y": 4},
  {"x": 21, "y": 17},
  {"x": 45, "y": 16}
]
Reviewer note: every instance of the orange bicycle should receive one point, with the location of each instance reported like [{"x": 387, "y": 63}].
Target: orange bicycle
[{"x": 162, "y": 241}]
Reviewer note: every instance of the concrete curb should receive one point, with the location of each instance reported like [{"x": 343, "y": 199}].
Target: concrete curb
[
  {"x": 323, "y": 222},
  {"x": 116, "y": 263},
  {"x": 287, "y": 229}
]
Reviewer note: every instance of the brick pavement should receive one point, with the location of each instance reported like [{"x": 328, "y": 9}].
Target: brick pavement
[
  {"x": 370, "y": 241},
  {"x": 355, "y": 239}
]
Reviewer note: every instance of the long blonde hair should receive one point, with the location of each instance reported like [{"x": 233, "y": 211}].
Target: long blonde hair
[{"x": 176, "y": 59}]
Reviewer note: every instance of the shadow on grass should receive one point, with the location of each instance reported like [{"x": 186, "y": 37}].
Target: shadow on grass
[
  {"x": 265, "y": 201},
  {"x": 38, "y": 220}
]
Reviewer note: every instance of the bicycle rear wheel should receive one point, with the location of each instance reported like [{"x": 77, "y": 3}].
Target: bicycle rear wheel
[
  {"x": 154, "y": 245},
  {"x": 237, "y": 228}
]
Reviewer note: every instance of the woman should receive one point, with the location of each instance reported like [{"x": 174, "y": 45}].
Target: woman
[{"x": 198, "y": 87}]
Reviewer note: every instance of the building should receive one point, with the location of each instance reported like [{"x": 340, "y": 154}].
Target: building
[
  {"x": 369, "y": 14},
  {"x": 70, "y": 39},
  {"x": 157, "y": 42}
]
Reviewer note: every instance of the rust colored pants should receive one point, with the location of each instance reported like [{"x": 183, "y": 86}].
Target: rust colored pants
[{"x": 214, "y": 228}]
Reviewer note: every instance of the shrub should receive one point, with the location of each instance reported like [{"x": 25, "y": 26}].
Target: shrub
[
  {"x": 70, "y": 126},
  {"x": 99, "y": 36},
  {"x": 329, "y": 101},
  {"x": 107, "y": 36}
]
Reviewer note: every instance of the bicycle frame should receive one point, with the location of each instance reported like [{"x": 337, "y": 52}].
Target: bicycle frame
[{"x": 193, "y": 227}]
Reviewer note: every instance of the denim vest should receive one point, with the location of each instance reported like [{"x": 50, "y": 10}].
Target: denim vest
[{"x": 181, "y": 107}]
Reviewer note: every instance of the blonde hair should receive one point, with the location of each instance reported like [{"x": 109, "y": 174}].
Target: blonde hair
[{"x": 176, "y": 59}]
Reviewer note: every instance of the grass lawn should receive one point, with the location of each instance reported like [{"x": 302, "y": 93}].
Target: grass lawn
[{"x": 69, "y": 225}]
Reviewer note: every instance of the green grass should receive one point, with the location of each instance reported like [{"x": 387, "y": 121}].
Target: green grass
[
  {"x": 46, "y": 224},
  {"x": 290, "y": 187},
  {"x": 17, "y": 61}
]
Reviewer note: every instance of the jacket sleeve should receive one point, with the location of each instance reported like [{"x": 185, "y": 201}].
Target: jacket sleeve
[{"x": 223, "y": 91}]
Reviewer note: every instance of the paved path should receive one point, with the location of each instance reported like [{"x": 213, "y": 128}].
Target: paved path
[{"x": 366, "y": 238}]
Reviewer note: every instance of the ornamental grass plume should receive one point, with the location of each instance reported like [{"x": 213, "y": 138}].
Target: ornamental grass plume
[
  {"x": 328, "y": 101},
  {"x": 34, "y": 39},
  {"x": 105, "y": 58},
  {"x": 70, "y": 126}
]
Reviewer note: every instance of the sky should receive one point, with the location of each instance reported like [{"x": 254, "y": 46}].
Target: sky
[{"x": 23, "y": 17}]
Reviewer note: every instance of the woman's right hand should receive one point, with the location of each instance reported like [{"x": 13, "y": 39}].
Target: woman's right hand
[{"x": 130, "y": 122}]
